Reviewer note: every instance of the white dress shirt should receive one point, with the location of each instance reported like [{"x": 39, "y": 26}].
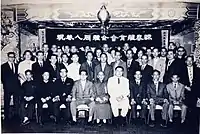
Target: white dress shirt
[
  {"x": 190, "y": 73},
  {"x": 83, "y": 84},
  {"x": 103, "y": 65},
  {"x": 73, "y": 71}
]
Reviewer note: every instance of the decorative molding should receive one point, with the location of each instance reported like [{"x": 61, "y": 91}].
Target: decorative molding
[
  {"x": 197, "y": 42},
  {"x": 41, "y": 37}
]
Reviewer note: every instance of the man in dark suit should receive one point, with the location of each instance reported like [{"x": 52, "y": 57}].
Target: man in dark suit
[
  {"x": 132, "y": 65},
  {"x": 189, "y": 76},
  {"x": 47, "y": 52},
  {"x": 146, "y": 70},
  {"x": 39, "y": 66},
  {"x": 157, "y": 95},
  {"x": 82, "y": 93},
  {"x": 63, "y": 91},
  {"x": 53, "y": 67},
  {"x": 119, "y": 62},
  {"x": 29, "y": 89},
  {"x": 124, "y": 51},
  {"x": 11, "y": 85},
  {"x": 65, "y": 61},
  {"x": 171, "y": 66},
  {"x": 138, "y": 95},
  {"x": 104, "y": 67},
  {"x": 44, "y": 96},
  {"x": 89, "y": 66}
]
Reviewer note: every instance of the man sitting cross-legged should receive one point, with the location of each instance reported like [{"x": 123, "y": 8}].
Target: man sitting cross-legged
[
  {"x": 82, "y": 93},
  {"x": 157, "y": 95}
]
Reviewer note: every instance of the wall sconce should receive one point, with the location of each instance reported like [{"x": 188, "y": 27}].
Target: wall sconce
[{"x": 104, "y": 17}]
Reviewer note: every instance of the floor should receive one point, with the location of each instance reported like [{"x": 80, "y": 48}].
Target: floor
[{"x": 81, "y": 128}]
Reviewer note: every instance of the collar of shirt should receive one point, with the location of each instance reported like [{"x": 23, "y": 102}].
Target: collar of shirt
[
  {"x": 63, "y": 79},
  {"x": 137, "y": 81},
  {"x": 155, "y": 82},
  {"x": 89, "y": 62}
]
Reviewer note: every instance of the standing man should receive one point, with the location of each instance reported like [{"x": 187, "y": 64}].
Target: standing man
[
  {"x": 82, "y": 93},
  {"x": 103, "y": 67},
  {"x": 132, "y": 65},
  {"x": 118, "y": 89},
  {"x": 157, "y": 95},
  {"x": 105, "y": 50},
  {"x": 119, "y": 62},
  {"x": 11, "y": 85},
  {"x": 157, "y": 63},
  {"x": 47, "y": 52},
  {"x": 146, "y": 69},
  {"x": 89, "y": 66}
]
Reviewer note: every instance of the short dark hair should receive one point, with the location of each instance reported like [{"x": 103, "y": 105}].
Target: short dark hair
[
  {"x": 129, "y": 50},
  {"x": 145, "y": 55},
  {"x": 64, "y": 54},
  {"x": 89, "y": 52},
  {"x": 119, "y": 67},
  {"x": 9, "y": 53},
  {"x": 171, "y": 50},
  {"x": 117, "y": 51},
  {"x": 54, "y": 55},
  {"x": 39, "y": 52},
  {"x": 63, "y": 68},
  {"x": 190, "y": 56},
  {"x": 156, "y": 71},
  {"x": 83, "y": 70},
  {"x": 28, "y": 71},
  {"x": 44, "y": 44},
  {"x": 74, "y": 54},
  {"x": 104, "y": 54}
]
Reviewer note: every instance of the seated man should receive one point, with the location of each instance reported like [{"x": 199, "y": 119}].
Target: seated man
[
  {"x": 63, "y": 92},
  {"x": 44, "y": 96},
  {"x": 157, "y": 95},
  {"x": 82, "y": 93},
  {"x": 102, "y": 106},
  {"x": 138, "y": 95},
  {"x": 118, "y": 89},
  {"x": 28, "y": 97},
  {"x": 176, "y": 97}
]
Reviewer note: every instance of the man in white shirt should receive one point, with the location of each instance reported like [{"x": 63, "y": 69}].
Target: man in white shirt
[
  {"x": 73, "y": 68},
  {"x": 157, "y": 63},
  {"x": 105, "y": 50},
  {"x": 118, "y": 89}
]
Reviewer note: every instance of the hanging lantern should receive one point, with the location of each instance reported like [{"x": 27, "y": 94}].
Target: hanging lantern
[{"x": 104, "y": 17}]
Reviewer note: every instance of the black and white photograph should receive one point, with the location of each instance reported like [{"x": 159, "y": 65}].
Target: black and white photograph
[{"x": 100, "y": 66}]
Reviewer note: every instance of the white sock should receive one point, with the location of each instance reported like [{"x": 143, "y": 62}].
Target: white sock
[
  {"x": 98, "y": 120},
  {"x": 25, "y": 119},
  {"x": 74, "y": 118},
  {"x": 104, "y": 120},
  {"x": 90, "y": 119}
]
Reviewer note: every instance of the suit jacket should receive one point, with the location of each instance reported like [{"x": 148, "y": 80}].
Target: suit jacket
[
  {"x": 146, "y": 74},
  {"x": 48, "y": 56},
  {"x": 176, "y": 94},
  {"x": 161, "y": 94},
  {"x": 90, "y": 70},
  {"x": 122, "y": 64},
  {"x": 53, "y": 73},
  {"x": 81, "y": 93},
  {"x": 29, "y": 88},
  {"x": 9, "y": 79},
  {"x": 108, "y": 72},
  {"x": 132, "y": 69},
  {"x": 173, "y": 68},
  {"x": 100, "y": 89},
  {"x": 61, "y": 88},
  {"x": 38, "y": 71},
  {"x": 138, "y": 92},
  {"x": 160, "y": 66},
  {"x": 45, "y": 89}
]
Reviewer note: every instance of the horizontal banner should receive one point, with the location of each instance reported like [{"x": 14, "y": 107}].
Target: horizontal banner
[{"x": 143, "y": 37}]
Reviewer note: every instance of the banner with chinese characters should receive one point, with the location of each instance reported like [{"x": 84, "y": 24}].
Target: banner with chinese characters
[{"x": 115, "y": 37}]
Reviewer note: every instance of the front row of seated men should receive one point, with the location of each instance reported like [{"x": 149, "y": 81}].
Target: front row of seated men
[{"x": 103, "y": 98}]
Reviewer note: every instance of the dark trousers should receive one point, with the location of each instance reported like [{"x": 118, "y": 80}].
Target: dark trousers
[
  {"x": 27, "y": 109},
  {"x": 66, "y": 111},
  {"x": 142, "y": 113},
  {"x": 194, "y": 121},
  {"x": 7, "y": 99},
  {"x": 44, "y": 113}
]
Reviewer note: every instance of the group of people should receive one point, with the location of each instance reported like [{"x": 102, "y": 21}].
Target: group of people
[{"x": 111, "y": 81}]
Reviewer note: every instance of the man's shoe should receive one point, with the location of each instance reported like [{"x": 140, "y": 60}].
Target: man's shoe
[
  {"x": 25, "y": 123},
  {"x": 152, "y": 124},
  {"x": 163, "y": 124},
  {"x": 73, "y": 123}
]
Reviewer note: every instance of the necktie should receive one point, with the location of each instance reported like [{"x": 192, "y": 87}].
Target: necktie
[
  {"x": 175, "y": 94},
  {"x": 63, "y": 81},
  {"x": 137, "y": 82},
  {"x": 54, "y": 67},
  {"x": 118, "y": 81},
  {"x": 41, "y": 64},
  {"x": 190, "y": 75},
  {"x": 13, "y": 67},
  {"x": 156, "y": 84}
]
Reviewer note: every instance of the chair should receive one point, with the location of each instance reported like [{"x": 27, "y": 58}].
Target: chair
[
  {"x": 158, "y": 107},
  {"x": 82, "y": 109}
]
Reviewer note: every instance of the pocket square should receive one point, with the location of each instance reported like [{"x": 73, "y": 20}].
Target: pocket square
[{"x": 63, "y": 106}]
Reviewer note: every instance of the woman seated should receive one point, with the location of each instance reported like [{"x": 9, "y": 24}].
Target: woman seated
[{"x": 102, "y": 107}]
